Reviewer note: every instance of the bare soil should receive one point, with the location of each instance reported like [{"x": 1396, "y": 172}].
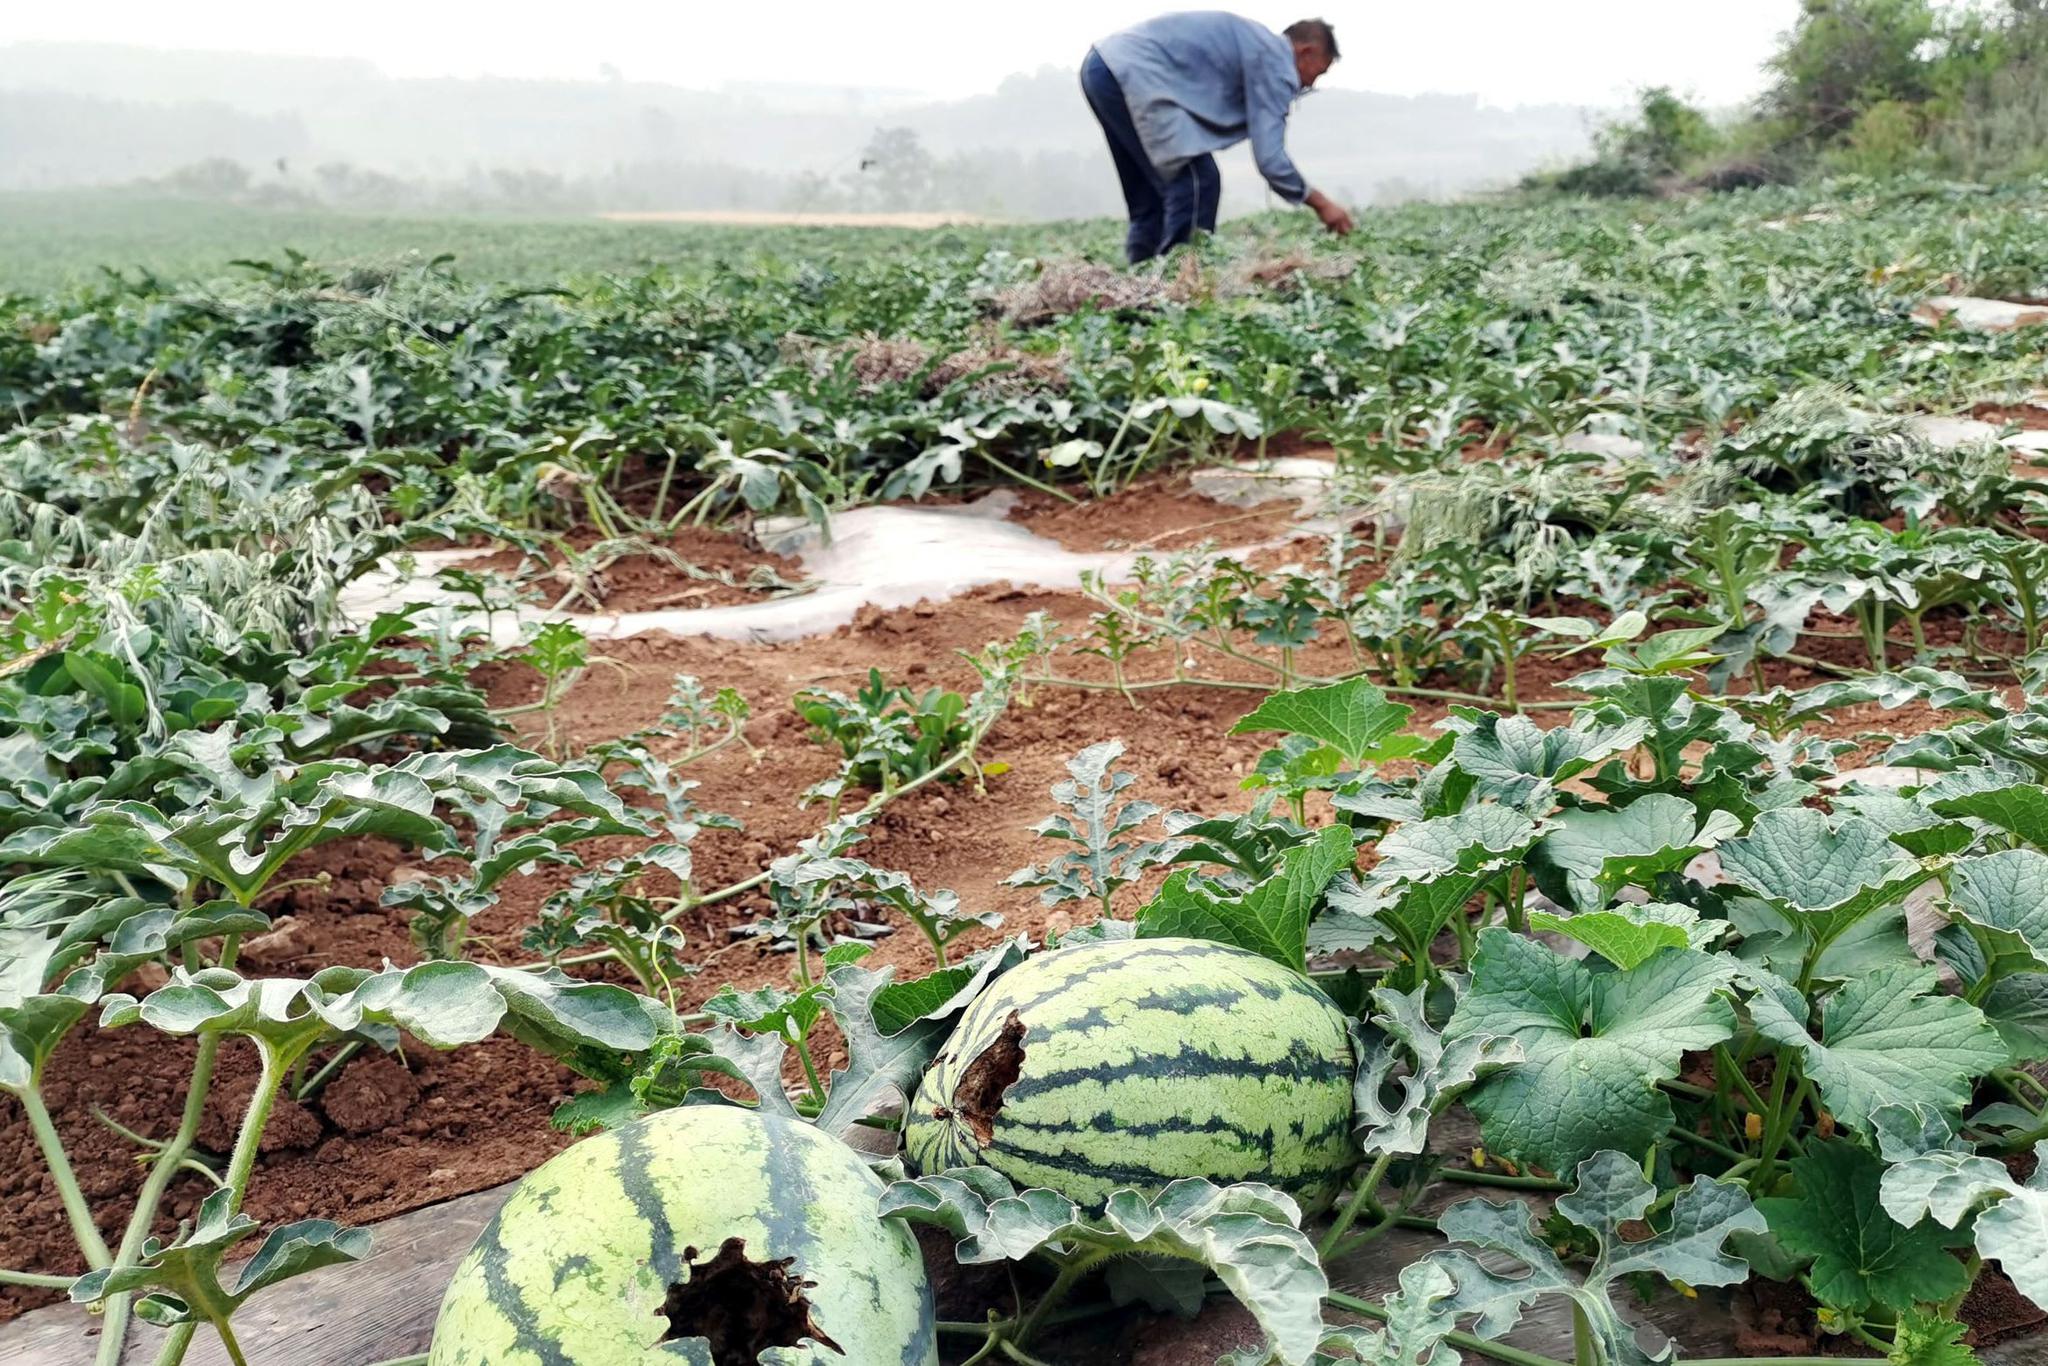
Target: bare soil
[{"x": 389, "y": 1134}]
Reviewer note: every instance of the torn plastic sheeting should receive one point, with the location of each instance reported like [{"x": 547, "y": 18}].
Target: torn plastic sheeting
[
  {"x": 1950, "y": 433},
  {"x": 1980, "y": 315},
  {"x": 1300, "y": 478},
  {"x": 882, "y": 556}
]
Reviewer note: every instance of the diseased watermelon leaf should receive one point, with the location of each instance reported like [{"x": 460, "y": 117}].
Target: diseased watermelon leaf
[
  {"x": 1271, "y": 919},
  {"x": 1433, "y": 1073},
  {"x": 1688, "y": 1245},
  {"x": 1595, "y": 1046},
  {"x": 1861, "y": 1256},
  {"x": 1249, "y": 1235}
]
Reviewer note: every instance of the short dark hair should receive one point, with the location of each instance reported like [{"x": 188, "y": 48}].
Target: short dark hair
[{"x": 1315, "y": 31}]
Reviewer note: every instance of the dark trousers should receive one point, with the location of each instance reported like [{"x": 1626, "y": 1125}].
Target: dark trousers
[{"x": 1164, "y": 213}]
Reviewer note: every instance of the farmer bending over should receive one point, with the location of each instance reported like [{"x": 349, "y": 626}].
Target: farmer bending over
[{"x": 1177, "y": 88}]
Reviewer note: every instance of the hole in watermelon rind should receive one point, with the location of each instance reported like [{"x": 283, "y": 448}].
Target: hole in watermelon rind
[
  {"x": 978, "y": 1099},
  {"x": 740, "y": 1308}
]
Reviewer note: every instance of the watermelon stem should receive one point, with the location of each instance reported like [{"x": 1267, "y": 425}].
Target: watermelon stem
[
  {"x": 1071, "y": 1271},
  {"x": 1365, "y": 1194}
]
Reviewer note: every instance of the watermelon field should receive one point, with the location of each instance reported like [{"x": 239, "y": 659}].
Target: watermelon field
[{"x": 1474, "y": 793}]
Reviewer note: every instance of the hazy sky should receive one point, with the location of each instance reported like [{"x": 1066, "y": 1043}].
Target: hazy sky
[{"x": 1507, "y": 51}]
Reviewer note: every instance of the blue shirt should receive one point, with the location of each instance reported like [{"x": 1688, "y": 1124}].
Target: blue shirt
[{"x": 1205, "y": 80}]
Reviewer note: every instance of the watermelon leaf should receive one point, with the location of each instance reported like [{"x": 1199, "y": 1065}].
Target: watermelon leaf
[
  {"x": 1592, "y": 852},
  {"x": 944, "y": 992},
  {"x": 1611, "y": 1192},
  {"x": 1627, "y": 934},
  {"x": 1248, "y": 1235},
  {"x": 2002, "y": 900},
  {"x": 1928, "y": 1339},
  {"x": 1437, "y": 1073},
  {"x": 1353, "y": 718},
  {"x": 878, "y": 1064},
  {"x": 1889, "y": 1037},
  {"x": 1271, "y": 919},
  {"x": 1861, "y": 1255},
  {"x": 1511, "y": 757},
  {"x": 1105, "y": 860},
  {"x": 1947, "y": 1183},
  {"x": 1823, "y": 878},
  {"x": 1595, "y": 1046},
  {"x": 1420, "y": 1315},
  {"x": 183, "y": 1276}
]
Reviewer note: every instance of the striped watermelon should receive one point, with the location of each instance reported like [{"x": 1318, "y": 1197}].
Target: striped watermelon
[
  {"x": 593, "y": 1260},
  {"x": 1144, "y": 1061}
]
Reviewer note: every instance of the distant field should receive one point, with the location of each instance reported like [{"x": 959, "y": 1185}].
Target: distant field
[
  {"x": 48, "y": 240},
  {"x": 775, "y": 218}
]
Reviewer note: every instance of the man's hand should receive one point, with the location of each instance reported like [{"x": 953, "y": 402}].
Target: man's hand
[{"x": 1331, "y": 212}]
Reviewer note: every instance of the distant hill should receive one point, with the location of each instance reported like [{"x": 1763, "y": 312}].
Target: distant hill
[{"x": 97, "y": 114}]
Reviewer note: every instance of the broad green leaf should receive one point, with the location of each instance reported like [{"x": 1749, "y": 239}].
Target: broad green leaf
[
  {"x": 1248, "y": 1235},
  {"x": 939, "y": 994},
  {"x": 2003, "y": 899},
  {"x": 1351, "y": 717},
  {"x": 1271, "y": 919},
  {"x": 1405, "y": 1056},
  {"x": 1628, "y": 935},
  {"x": 1861, "y": 1256},
  {"x": 1512, "y": 756},
  {"x": 1826, "y": 877},
  {"x": 1477, "y": 839},
  {"x": 1611, "y": 1192},
  {"x": 2020, "y": 809},
  {"x": 1595, "y": 1046},
  {"x": 1590, "y": 853},
  {"x": 1887, "y": 1038}
]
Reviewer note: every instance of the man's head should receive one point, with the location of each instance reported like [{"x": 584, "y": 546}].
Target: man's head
[{"x": 1315, "y": 48}]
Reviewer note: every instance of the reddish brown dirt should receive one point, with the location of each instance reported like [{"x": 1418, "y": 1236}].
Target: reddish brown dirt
[
  {"x": 1160, "y": 512},
  {"x": 392, "y": 1134}
]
